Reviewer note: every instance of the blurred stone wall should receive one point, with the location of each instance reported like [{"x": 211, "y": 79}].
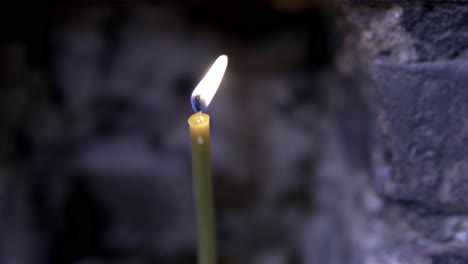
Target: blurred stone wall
[
  {"x": 419, "y": 65},
  {"x": 338, "y": 132}
]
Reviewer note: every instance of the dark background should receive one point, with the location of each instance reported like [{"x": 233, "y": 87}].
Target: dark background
[{"x": 339, "y": 133}]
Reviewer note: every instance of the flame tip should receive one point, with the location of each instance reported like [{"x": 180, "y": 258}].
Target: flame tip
[{"x": 223, "y": 58}]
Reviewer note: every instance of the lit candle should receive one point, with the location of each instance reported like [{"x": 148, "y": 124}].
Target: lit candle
[{"x": 199, "y": 124}]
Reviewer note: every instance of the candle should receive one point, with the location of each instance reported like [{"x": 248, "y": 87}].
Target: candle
[{"x": 199, "y": 124}]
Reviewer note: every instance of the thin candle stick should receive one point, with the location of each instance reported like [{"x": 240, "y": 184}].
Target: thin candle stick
[{"x": 199, "y": 124}]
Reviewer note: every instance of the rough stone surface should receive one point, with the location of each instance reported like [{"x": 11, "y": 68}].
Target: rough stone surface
[
  {"x": 438, "y": 31},
  {"x": 416, "y": 55},
  {"x": 427, "y": 103}
]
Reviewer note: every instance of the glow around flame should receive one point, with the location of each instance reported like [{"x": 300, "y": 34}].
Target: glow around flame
[{"x": 207, "y": 87}]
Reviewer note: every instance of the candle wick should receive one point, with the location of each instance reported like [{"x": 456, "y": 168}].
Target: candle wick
[{"x": 196, "y": 103}]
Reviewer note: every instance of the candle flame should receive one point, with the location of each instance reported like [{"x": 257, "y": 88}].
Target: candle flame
[{"x": 207, "y": 87}]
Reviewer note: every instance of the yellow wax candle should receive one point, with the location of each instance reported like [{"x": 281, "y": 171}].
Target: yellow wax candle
[{"x": 199, "y": 124}]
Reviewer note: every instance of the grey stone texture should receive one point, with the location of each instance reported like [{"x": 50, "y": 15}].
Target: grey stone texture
[
  {"x": 427, "y": 102},
  {"x": 419, "y": 69}
]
